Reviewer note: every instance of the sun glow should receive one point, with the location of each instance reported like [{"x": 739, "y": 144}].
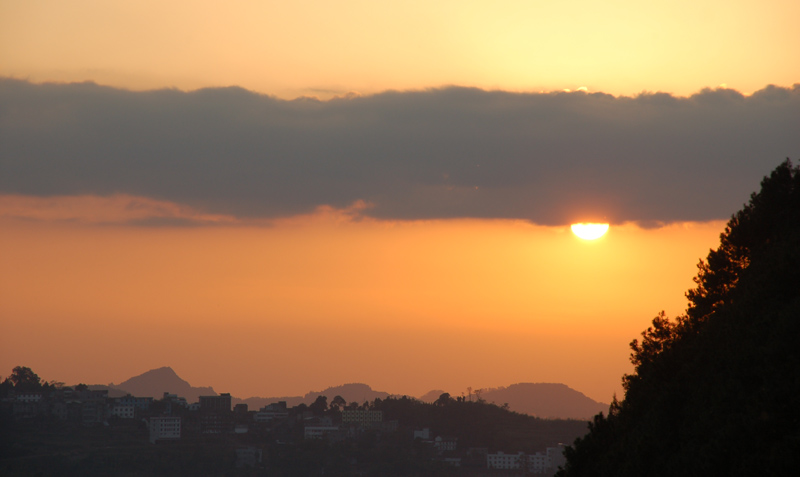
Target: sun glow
[{"x": 589, "y": 231}]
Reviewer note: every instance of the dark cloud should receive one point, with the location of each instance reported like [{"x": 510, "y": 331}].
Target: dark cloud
[{"x": 453, "y": 152}]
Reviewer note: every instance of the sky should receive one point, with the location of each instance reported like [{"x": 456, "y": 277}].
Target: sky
[{"x": 275, "y": 198}]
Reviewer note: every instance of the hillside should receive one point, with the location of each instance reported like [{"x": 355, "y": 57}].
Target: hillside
[
  {"x": 714, "y": 391},
  {"x": 546, "y": 400}
]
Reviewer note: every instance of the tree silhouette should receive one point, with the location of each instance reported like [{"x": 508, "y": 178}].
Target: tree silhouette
[
  {"x": 714, "y": 391},
  {"x": 319, "y": 406},
  {"x": 443, "y": 400},
  {"x": 338, "y": 403},
  {"x": 25, "y": 380}
]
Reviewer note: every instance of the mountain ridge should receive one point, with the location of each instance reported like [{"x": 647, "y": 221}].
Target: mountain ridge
[{"x": 545, "y": 400}]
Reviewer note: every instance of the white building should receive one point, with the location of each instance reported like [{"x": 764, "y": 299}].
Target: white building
[
  {"x": 164, "y": 427},
  {"x": 556, "y": 457},
  {"x": 547, "y": 462},
  {"x": 504, "y": 461}
]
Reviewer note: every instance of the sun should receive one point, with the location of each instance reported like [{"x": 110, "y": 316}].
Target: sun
[{"x": 589, "y": 231}]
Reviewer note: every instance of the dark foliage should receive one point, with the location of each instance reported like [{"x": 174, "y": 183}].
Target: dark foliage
[
  {"x": 480, "y": 424},
  {"x": 714, "y": 392}
]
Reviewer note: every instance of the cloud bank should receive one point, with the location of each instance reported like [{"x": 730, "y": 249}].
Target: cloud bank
[{"x": 551, "y": 158}]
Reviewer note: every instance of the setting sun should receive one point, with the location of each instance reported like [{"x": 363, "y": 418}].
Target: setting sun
[{"x": 589, "y": 231}]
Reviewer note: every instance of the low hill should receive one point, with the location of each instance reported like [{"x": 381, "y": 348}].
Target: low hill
[
  {"x": 353, "y": 392},
  {"x": 546, "y": 400}
]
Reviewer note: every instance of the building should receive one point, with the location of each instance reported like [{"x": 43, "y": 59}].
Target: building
[
  {"x": 28, "y": 397},
  {"x": 164, "y": 427},
  {"x": 424, "y": 434},
  {"x": 274, "y": 411},
  {"x": 504, "y": 461},
  {"x": 443, "y": 444},
  {"x": 140, "y": 403},
  {"x": 94, "y": 406},
  {"x": 248, "y": 457},
  {"x": 221, "y": 403},
  {"x": 28, "y": 405},
  {"x": 362, "y": 418},
  {"x": 556, "y": 457},
  {"x": 547, "y": 462},
  {"x": 215, "y": 414},
  {"x": 319, "y": 432},
  {"x": 123, "y": 411},
  {"x": 175, "y": 399}
]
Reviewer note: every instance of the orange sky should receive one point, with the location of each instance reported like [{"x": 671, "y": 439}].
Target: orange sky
[
  {"x": 304, "y": 303},
  {"x": 96, "y": 289}
]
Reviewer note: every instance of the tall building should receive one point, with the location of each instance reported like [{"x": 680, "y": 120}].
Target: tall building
[
  {"x": 221, "y": 403},
  {"x": 215, "y": 414}
]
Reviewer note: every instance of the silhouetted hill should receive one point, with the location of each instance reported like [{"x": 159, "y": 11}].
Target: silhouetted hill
[
  {"x": 353, "y": 392},
  {"x": 432, "y": 396},
  {"x": 547, "y": 400},
  {"x": 551, "y": 400},
  {"x": 158, "y": 381},
  {"x": 113, "y": 392},
  {"x": 480, "y": 424},
  {"x": 257, "y": 402}
]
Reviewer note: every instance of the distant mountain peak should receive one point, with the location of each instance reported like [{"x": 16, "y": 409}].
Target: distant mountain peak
[
  {"x": 156, "y": 382},
  {"x": 164, "y": 371}
]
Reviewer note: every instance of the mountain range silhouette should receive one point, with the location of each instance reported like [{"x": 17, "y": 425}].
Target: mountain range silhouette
[{"x": 546, "y": 400}]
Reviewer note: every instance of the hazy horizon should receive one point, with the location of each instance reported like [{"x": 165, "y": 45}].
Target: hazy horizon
[{"x": 475, "y": 391}]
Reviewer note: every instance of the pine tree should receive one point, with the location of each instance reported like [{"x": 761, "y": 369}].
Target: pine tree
[{"x": 714, "y": 391}]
